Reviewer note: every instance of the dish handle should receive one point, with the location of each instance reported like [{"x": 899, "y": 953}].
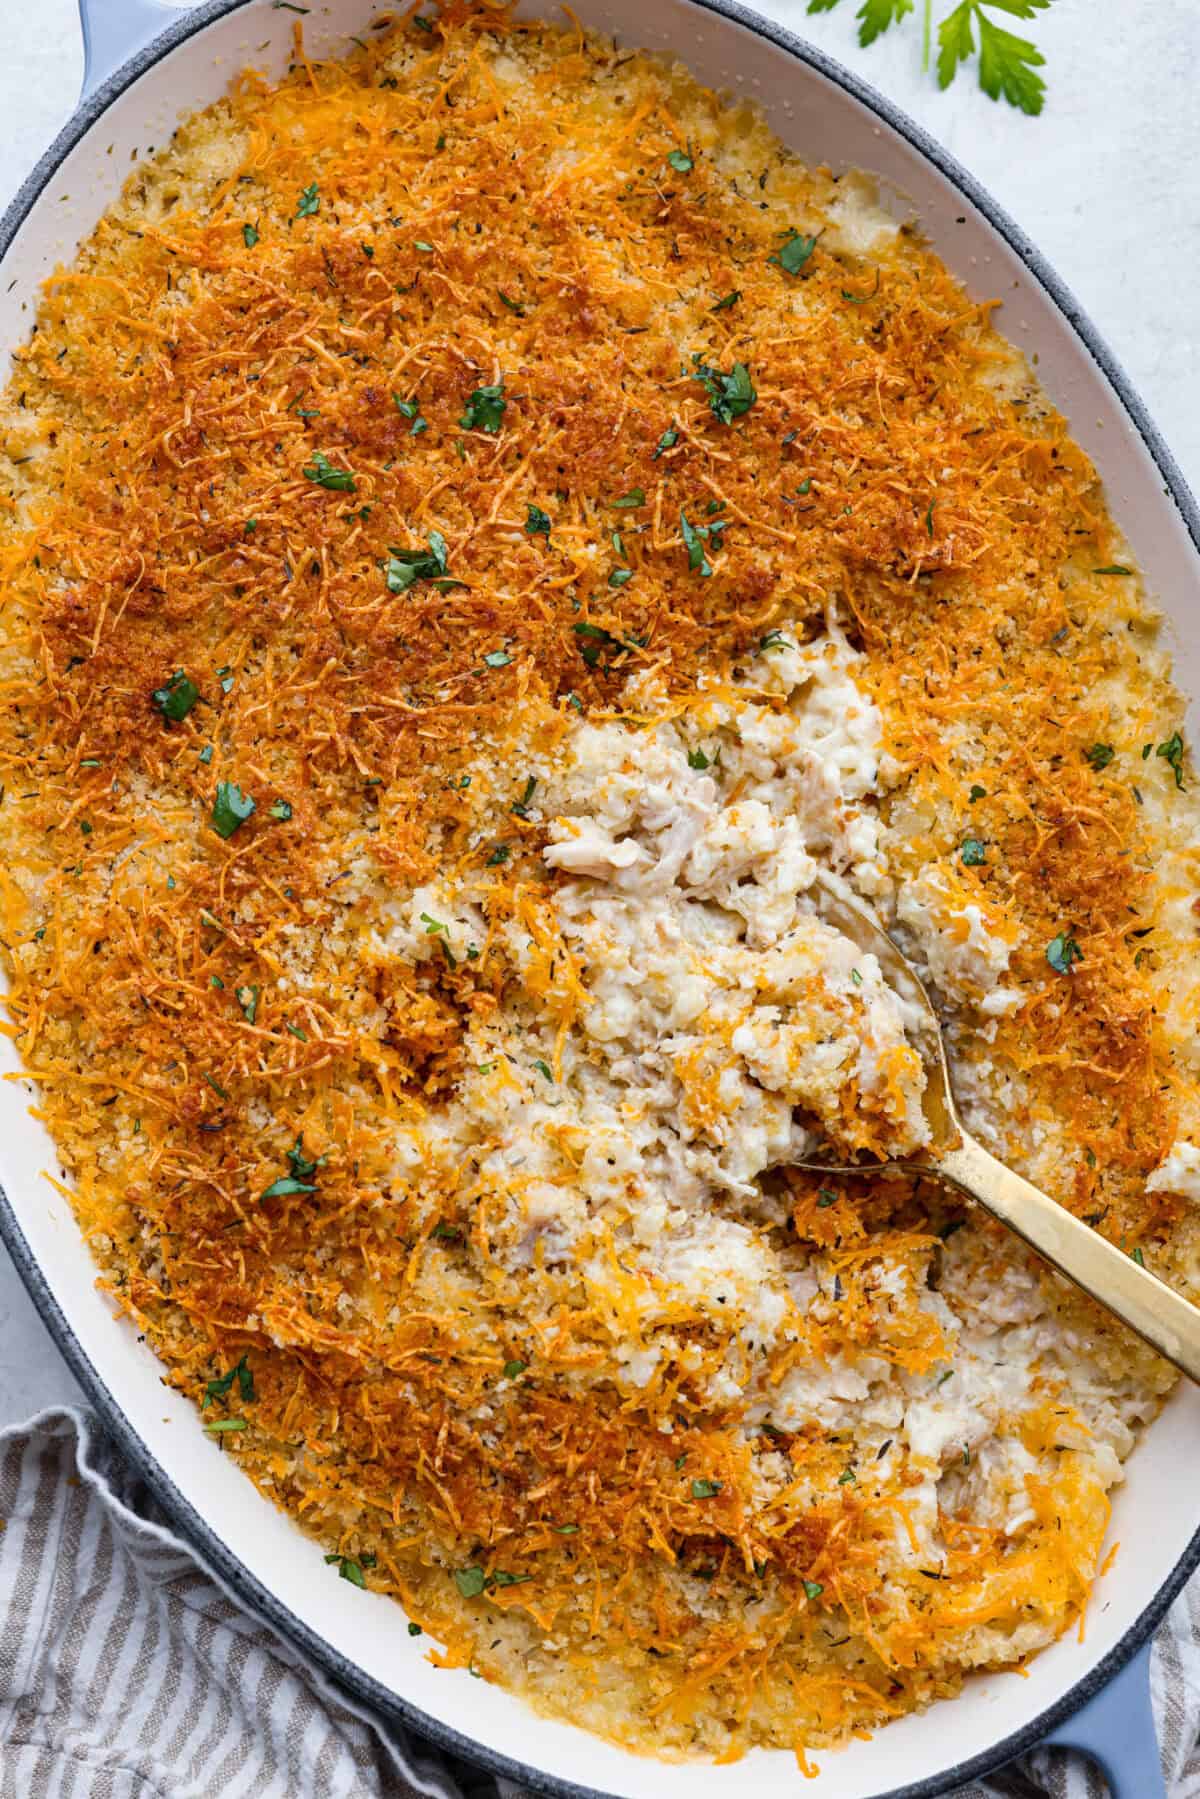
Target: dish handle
[
  {"x": 1116, "y": 1731},
  {"x": 115, "y": 30}
]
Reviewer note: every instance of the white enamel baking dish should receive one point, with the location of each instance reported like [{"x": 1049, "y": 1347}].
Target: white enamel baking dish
[{"x": 146, "y": 64}]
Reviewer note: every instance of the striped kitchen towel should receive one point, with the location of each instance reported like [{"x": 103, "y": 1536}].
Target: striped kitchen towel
[{"x": 127, "y": 1671}]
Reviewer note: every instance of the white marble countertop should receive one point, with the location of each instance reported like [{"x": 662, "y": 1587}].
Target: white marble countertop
[{"x": 1106, "y": 182}]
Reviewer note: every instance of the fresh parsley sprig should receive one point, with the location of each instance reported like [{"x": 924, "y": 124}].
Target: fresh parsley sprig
[{"x": 1008, "y": 65}]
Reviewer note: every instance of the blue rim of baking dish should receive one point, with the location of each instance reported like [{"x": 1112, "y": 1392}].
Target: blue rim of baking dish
[{"x": 193, "y": 1526}]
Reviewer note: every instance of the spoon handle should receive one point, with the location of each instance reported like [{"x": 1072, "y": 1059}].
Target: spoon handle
[{"x": 1147, "y": 1305}]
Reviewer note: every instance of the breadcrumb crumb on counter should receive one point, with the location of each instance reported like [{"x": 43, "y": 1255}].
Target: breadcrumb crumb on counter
[{"x": 481, "y": 527}]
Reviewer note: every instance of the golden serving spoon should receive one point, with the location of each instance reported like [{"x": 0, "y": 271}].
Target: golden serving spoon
[{"x": 1130, "y": 1292}]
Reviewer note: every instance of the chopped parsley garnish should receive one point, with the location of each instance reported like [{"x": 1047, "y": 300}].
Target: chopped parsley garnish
[
  {"x": 322, "y": 471},
  {"x": 302, "y": 1168},
  {"x": 775, "y": 640},
  {"x": 220, "y": 1425},
  {"x": 974, "y": 852},
  {"x": 177, "y": 698},
  {"x": 497, "y": 659},
  {"x": 521, "y": 806},
  {"x": 420, "y": 244},
  {"x": 414, "y": 1630},
  {"x": 405, "y": 567},
  {"x": 977, "y": 793},
  {"x": 485, "y": 409},
  {"x": 231, "y": 808},
  {"x": 697, "y": 560},
  {"x": 543, "y": 1068},
  {"x": 470, "y": 1581},
  {"x": 247, "y": 999},
  {"x": 435, "y": 928},
  {"x": 513, "y": 305},
  {"x": 285, "y": 1185},
  {"x": 1062, "y": 952},
  {"x": 1100, "y": 755},
  {"x": 619, "y": 577},
  {"x": 513, "y": 1368},
  {"x": 249, "y": 236},
  {"x": 537, "y": 522},
  {"x": 698, "y": 759},
  {"x": 241, "y": 1373},
  {"x": 813, "y": 1589},
  {"x": 500, "y": 854},
  {"x": 310, "y": 202},
  {"x": 667, "y": 441},
  {"x": 409, "y": 409},
  {"x": 681, "y": 162},
  {"x": 349, "y": 1569},
  {"x": 847, "y": 1478},
  {"x": 635, "y": 497},
  {"x": 1172, "y": 754},
  {"x": 281, "y": 810},
  {"x": 1113, "y": 568},
  {"x": 731, "y": 299},
  {"x": 826, "y": 1197},
  {"x": 729, "y": 395},
  {"x": 706, "y": 1489},
  {"x": 794, "y": 253}
]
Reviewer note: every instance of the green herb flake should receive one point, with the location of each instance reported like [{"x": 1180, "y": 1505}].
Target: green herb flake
[
  {"x": 731, "y": 299},
  {"x": 406, "y": 567},
  {"x": 249, "y": 236},
  {"x": 667, "y": 441},
  {"x": 231, "y": 808},
  {"x": 221, "y": 1425},
  {"x": 795, "y": 252},
  {"x": 177, "y": 698},
  {"x": 310, "y": 202},
  {"x": 322, "y": 472},
  {"x": 729, "y": 396},
  {"x": 512, "y": 1369},
  {"x": 286, "y": 1184},
  {"x": 681, "y": 162},
  {"x": 697, "y": 561},
  {"x": 537, "y": 522},
  {"x": 543, "y": 1068},
  {"x": 247, "y": 999},
  {"x": 619, "y": 577},
  {"x": 635, "y": 497},
  {"x": 1113, "y": 568},
  {"x": 470, "y": 1581},
  {"x": 499, "y": 854},
  {"x": 977, "y": 793},
  {"x": 485, "y": 409},
  {"x": 826, "y": 1197},
  {"x": 974, "y": 852},
  {"x": 414, "y": 1630},
  {"x": 813, "y": 1589},
  {"x": 1100, "y": 755},
  {"x": 348, "y": 1568},
  {"x": 1172, "y": 754},
  {"x": 497, "y": 659},
  {"x": 706, "y": 1489},
  {"x": 847, "y": 1478},
  {"x": 697, "y": 759},
  {"x": 1062, "y": 952},
  {"x": 1137, "y": 1256},
  {"x": 513, "y": 305},
  {"x": 420, "y": 244}
]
